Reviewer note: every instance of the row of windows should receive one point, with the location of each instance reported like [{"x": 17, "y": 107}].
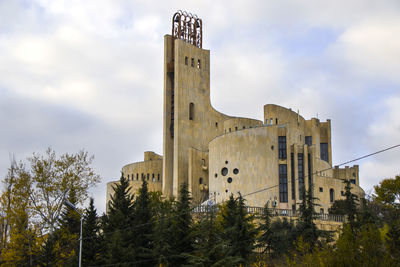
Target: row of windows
[
  {"x": 237, "y": 128},
  {"x": 134, "y": 177},
  {"x": 192, "y": 62},
  {"x": 271, "y": 121}
]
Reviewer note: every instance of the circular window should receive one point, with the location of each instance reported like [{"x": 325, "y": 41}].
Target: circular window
[
  {"x": 216, "y": 175},
  {"x": 224, "y": 171},
  {"x": 226, "y": 191},
  {"x": 226, "y": 162},
  {"x": 200, "y": 180},
  {"x": 229, "y": 180},
  {"x": 235, "y": 171}
]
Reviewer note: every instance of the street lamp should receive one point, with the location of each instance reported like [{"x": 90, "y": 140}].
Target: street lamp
[{"x": 72, "y": 206}]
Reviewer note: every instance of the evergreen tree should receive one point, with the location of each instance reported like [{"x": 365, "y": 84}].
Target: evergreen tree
[
  {"x": 350, "y": 204},
  {"x": 163, "y": 234},
  {"x": 238, "y": 229},
  {"x": 245, "y": 229},
  {"x": 206, "y": 236},
  {"x": 93, "y": 243},
  {"x": 393, "y": 241},
  {"x": 182, "y": 229},
  {"x": 281, "y": 238},
  {"x": 306, "y": 226},
  {"x": 143, "y": 226},
  {"x": 47, "y": 256},
  {"x": 67, "y": 245},
  {"x": 338, "y": 207},
  {"x": 264, "y": 229},
  {"x": 117, "y": 225}
]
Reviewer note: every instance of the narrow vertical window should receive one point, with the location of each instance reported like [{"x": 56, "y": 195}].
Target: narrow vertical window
[
  {"x": 282, "y": 147},
  {"x": 271, "y": 121},
  {"x": 332, "y": 195},
  {"x": 192, "y": 63},
  {"x": 191, "y": 111},
  {"x": 137, "y": 176},
  {"x": 292, "y": 176},
  {"x": 158, "y": 177},
  {"x": 148, "y": 177},
  {"x": 186, "y": 60},
  {"x": 308, "y": 140},
  {"x": 300, "y": 163},
  {"x": 153, "y": 178},
  {"x": 324, "y": 151},
  {"x": 310, "y": 181},
  {"x": 283, "y": 188},
  {"x": 198, "y": 64},
  {"x": 276, "y": 121}
]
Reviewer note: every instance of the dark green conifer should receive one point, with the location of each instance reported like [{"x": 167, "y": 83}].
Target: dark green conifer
[
  {"x": 143, "y": 227},
  {"x": 93, "y": 242},
  {"x": 118, "y": 224},
  {"x": 350, "y": 204},
  {"x": 182, "y": 229}
]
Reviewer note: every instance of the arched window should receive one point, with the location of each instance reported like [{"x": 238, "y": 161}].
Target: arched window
[
  {"x": 200, "y": 180},
  {"x": 332, "y": 195},
  {"x": 191, "y": 111}
]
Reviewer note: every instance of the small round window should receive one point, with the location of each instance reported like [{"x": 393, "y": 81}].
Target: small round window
[
  {"x": 216, "y": 175},
  {"x": 235, "y": 171},
  {"x": 229, "y": 180},
  {"x": 224, "y": 171},
  {"x": 226, "y": 162}
]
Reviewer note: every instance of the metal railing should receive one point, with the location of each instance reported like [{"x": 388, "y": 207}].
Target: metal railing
[{"x": 274, "y": 213}]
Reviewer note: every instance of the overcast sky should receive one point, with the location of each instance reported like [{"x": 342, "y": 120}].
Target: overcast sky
[{"x": 89, "y": 74}]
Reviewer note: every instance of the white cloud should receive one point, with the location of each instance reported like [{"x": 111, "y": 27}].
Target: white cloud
[
  {"x": 371, "y": 49},
  {"x": 89, "y": 73}
]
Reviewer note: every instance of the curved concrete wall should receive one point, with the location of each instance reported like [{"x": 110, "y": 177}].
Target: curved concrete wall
[{"x": 248, "y": 156}]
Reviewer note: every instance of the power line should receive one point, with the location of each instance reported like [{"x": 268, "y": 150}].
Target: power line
[
  {"x": 263, "y": 189},
  {"x": 330, "y": 168},
  {"x": 267, "y": 188}
]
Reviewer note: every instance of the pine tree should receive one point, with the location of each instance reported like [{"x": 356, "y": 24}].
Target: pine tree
[
  {"x": 163, "y": 234},
  {"x": 237, "y": 229},
  {"x": 350, "y": 204},
  {"x": 209, "y": 244},
  {"x": 306, "y": 226},
  {"x": 264, "y": 229},
  {"x": 245, "y": 229},
  {"x": 93, "y": 243},
  {"x": 118, "y": 224},
  {"x": 182, "y": 229},
  {"x": 143, "y": 226},
  {"x": 67, "y": 245}
]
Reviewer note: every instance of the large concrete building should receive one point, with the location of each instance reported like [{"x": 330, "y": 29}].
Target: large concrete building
[{"x": 215, "y": 154}]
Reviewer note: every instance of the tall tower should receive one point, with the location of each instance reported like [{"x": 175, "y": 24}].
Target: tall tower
[{"x": 189, "y": 120}]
